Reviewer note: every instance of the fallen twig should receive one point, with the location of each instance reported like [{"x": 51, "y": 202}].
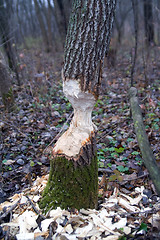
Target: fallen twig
[
  {"x": 135, "y": 213},
  {"x": 35, "y": 209},
  {"x": 102, "y": 135},
  {"x": 8, "y": 230},
  {"x": 10, "y": 210},
  {"x": 133, "y": 179},
  {"x": 23, "y": 134},
  {"x": 105, "y": 170},
  {"x": 55, "y": 138}
]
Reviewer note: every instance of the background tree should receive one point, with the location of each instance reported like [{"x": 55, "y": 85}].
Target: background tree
[
  {"x": 7, "y": 35},
  {"x": 123, "y": 9},
  {"x": 148, "y": 22},
  {"x": 42, "y": 25},
  {"x": 73, "y": 180},
  {"x": 158, "y": 20},
  {"x": 29, "y": 17},
  {"x": 18, "y": 5},
  {"x": 62, "y": 9},
  {"x": 5, "y": 88},
  {"x": 135, "y": 14}
]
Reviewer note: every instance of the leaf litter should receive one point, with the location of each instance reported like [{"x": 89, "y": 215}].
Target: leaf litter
[{"x": 128, "y": 206}]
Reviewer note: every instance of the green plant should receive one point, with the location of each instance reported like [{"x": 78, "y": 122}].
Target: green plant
[
  {"x": 122, "y": 169},
  {"x": 32, "y": 163},
  {"x": 135, "y": 153},
  {"x": 139, "y": 161},
  {"x": 122, "y": 238},
  {"x": 143, "y": 226},
  {"x": 119, "y": 150}
]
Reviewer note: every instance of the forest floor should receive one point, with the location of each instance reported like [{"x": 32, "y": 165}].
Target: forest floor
[{"x": 42, "y": 113}]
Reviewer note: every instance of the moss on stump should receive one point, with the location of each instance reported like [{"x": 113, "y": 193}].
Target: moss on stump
[{"x": 71, "y": 185}]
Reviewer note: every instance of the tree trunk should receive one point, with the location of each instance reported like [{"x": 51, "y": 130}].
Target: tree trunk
[
  {"x": 5, "y": 88},
  {"x": 6, "y": 37},
  {"x": 30, "y": 17},
  {"x": 148, "y": 22},
  {"x": 20, "y": 25},
  {"x": 134, "y": 57},
  {"x": 49, "y": 10},
  {"x": 121, "y": 15},
  {"x": 73, "y": 180}
]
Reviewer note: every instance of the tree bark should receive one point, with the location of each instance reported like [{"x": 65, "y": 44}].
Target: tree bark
[
  {"x": 5, "y": 88},
  {"x": 143, "y": 142},
  {"x": 73, "y": 180},
  {"x": 87, "y": 42},
  {"x": 148, "y": 22}
]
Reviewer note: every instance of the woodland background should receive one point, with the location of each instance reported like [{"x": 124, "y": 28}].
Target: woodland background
[{"x": 35, "y": 112}]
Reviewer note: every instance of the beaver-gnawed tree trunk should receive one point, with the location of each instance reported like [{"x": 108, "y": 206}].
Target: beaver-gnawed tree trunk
[{"x": 73, "y": 179}]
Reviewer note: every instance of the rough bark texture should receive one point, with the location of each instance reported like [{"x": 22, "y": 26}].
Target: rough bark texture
[
  {"x": 5, "y": 88},
  {"x": 87, "y": 40},
  {"x": 73, "y": 183},
  {"x": 143, "y": 142}
]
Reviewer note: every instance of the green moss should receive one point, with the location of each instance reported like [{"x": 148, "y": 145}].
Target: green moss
[{"x": 71, "y": 186}]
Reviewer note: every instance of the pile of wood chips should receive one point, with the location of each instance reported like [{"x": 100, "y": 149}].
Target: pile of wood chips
[{"x": 119, "y": 215}]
